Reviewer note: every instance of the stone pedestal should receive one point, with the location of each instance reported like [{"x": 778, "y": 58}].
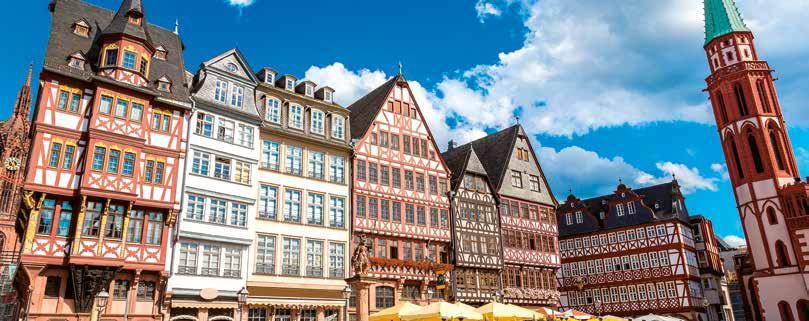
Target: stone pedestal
[{"x": 361, "y": 286}]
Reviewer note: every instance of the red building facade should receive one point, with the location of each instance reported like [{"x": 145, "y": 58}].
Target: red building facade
[
  {"x": 630, "y": 253},
  {"x": 399, "y": 188},
  {"x": 770, "y": 196},
  {"x": 102, "y": 181}
]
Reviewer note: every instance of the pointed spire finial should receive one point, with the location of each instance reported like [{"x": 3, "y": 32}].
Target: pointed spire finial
[
  {"x": 673, "y": 177},
  {"x": 30, "y": 72},
  {"x": 177, "y": 27},
  {"x": 518, "y": 119},
  {"x": 400, "y": 67}
]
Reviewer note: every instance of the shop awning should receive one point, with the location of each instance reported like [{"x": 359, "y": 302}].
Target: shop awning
[
  {"x": 296, "y": 303},
  {"x": 203, "y": 305}
]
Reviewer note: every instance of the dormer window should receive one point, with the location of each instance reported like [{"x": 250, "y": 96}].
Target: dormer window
[
  {"x": 327, "y": 96},
  {"x": 296, "y": 116},
  {"x": 160, "y": 53},
  {"x": 290, "y": 84},
  {"x": 164, "y": 84},
  {"x": 81, "y": 28},
  {"x": 310, "y": 90},
  {"x": 269, "y": 77},
  {"x": 129, "y": 60},
  {"x": 144, "y": 66},
  {"x": 77, "y": 60},
  {"x": 111, "y": 57},
  {"x": 318, "y": 122},
  {"x": 135, "y": 20}
]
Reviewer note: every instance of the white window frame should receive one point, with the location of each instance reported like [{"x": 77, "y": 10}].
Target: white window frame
[
  {"x": 295, "y": 118},
  {"x": 221, "y": 91},
  {"x": 337, "y": 127},
  {"x": 273, "y": 110},
  {"x": 318, "y": 122}
]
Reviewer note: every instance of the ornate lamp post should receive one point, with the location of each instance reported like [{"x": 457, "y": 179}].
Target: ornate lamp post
[
  {"x": 101, "y": 303},
  {"x": 242, "y": 300},
  {"x": 346, "y": 296}
]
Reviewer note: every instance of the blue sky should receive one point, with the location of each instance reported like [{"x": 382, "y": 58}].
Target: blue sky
[{"x": 612, "y": 89}]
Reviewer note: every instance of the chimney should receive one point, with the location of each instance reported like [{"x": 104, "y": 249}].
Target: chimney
[{"x": 450, "y": 145}]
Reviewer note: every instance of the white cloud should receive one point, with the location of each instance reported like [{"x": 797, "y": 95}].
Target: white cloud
[
  {"x": 240, "y": 3},
  {"x": 689, "y": 179},
  {"x": 485, "y": 9},
  {"x": 734, "y": 241},
  {"x": 721, "y": 169}
]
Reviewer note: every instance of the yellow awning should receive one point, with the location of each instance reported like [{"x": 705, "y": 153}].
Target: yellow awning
[
  {"x": 203, "y": 305},
  {"x": 393, "y": 313},
  {"x": 296, "y": 303},
  {"x": 442, "y": 310}
]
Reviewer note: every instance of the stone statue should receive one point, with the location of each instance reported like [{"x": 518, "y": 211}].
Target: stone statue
[{"x": 359, "y": 260}]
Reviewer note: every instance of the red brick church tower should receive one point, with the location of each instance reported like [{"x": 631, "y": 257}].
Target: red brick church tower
[{"x": 770, "y": 196}]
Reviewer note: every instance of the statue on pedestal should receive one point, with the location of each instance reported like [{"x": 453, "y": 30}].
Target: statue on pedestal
[{"x": 359, "y": 260}]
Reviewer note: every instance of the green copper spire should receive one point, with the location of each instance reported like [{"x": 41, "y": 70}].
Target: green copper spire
[{"x": 721, "y": 18}]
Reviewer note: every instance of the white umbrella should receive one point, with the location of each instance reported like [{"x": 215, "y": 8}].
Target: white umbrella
[{"x": 655, "y": 317}]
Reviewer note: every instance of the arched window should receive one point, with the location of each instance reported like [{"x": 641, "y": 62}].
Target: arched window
[
  {"x": 763, "y": 96},
  {"x": 740, "y": 100},
  {"x": 786, "y": 312},
  {"x": 771, "y": 217},
  {"x": 803, "y": 310},
  {"x": 736, "y": 158},
  {"x": 751, "y": 141},
  {"x": 781, "y": 256},
  {"x": 776, "y": 148},
  {"x": 720, "y": 101},
  {"x": 384, "y": 297}
]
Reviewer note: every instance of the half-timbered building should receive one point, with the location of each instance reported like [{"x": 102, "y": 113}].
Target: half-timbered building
[
  {"x": 301, "y": 239},
  {"x": 209, "y": 263},
  {"x": 476, "y": 245},
  {"x": 102, "y": 180},
  {"x": 15, "y": 143},
  {"x": 527, "y": 219},
  {"x": 630, "y": 253},
  {"x": 711, "y": 270},
  {"x": 400, "y": 184}
]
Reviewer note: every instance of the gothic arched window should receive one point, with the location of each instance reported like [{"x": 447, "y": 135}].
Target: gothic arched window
[
  {"x": 763, "y": 96},
  {"x": 771, "y": 217},
  {"x": 736, "y": 158},
  {"x": 781, "y": 255},
  {"x": 786, "y": 311},
  {"x": 776, "y": 146},
  {"x": 803, "y": 310},
  {"x": 740, "y": 100},
  {"x": 754, "y": 151},
  {"x": 720, "y": 100}
]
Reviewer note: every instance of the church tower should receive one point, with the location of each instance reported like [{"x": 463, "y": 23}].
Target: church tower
[
  {"x": 14, "y": 146},
  {"x": 761, "y": 164}
]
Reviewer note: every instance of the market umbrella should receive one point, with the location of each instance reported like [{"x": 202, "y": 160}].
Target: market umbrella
[
  {"x": 528, "y": 314},
  {"x": 655, "y": 317},
  {"x": 613, "y": 318},
  {"x": 495, "y": 311},
  {"x": 393, "y": 313},
  {"x": 550, "y": 313},
  {"x": 440, "y": 311}
]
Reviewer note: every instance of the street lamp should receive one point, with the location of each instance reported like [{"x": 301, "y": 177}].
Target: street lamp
[
  {"x": 346, "y": 296},
  {"x": 241, "y": 297},
  {"x": 101, "y": 301},
  {"x": 430, "y": 293}
]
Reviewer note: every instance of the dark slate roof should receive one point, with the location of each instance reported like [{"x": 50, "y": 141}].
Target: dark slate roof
[
  {"x": 663, "y": 195},
  {"x": 120, "y": 23},
  {"x": 456, "y": 159},
  {"x": 494, "y": 152},
  {"x": 364, "y": 110},
  {"x": 63, "y": 43}
]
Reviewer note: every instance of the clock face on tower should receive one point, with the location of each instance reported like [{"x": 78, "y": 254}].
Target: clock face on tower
[{"x": 11, "y": 164}]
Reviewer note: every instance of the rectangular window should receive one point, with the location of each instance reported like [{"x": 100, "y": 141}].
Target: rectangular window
[
  {"x": 120, "y": 289},
  {"x": 337, "y": 212},
  {"x": 265, "y": 254},
  {"x": 129, "y": 163},
  {"x": 295, "y": 116},
  {"x": 316, "y": 165},
  {"x": 46, "y": 217},
  {"x": 433, "y": 185},
  {"x": 241, "y": 173},
  {"x": 360, "y": 206},
  {"x": 63, "y": 100},
  {"x": 245, "y": 137},
  {"x": 136, "y": 114},
  {"x": 112, "y": 161},
  {"x": 154, "y": 228},
  {"x": 372, "y": 173},
  {"x": 268, "y": 202},
  {"x": 291, "y": 257},
  {"x": 360, "y": 170},
  {"x": 232, "y": 262},
  {"x": 384, "y": 175},
  {"x": 196, "y": 207},
  {"x": 338, "y": 127},
  {"x": 408, "y": 175},
  {"x": 434, "y": 217},
  {"x": 396, "y": 211},
  {"x": 420, "y": 182},
  {"x": 204, "y": 125},
  {"x": 317, "y": 122},
  {"x": 210, "y": 260},
  {"x": 134, "y": 231},
  {"x": 200, "y": 163},
  {"x": 516, "y": 179},
  {"x": 56, "y": 154},
  {"x": 314, "y": 258},
  {"x": 92, "y": 219},
  {"x": 273, "y": 112},
  {"x": 115, "y": 222},
  {"x": 406, "y": 144},
  {"x": 292, "y": 206},
  {"x": 129, "y": 60},
  {"x": 111, "y": 56},
  {"x": 65, "y": 217},
  {"x": 237, "y": 96},
  {"x": 409, "y": 214},
  {"x": 217, "y": 211},
  {"x": 336, "y": 169},
  {"x": 314, "y": 209},
  {"x": 397, "y": 177},
  {"x": 225, "y": 130},
  {"x": 99, "y": 156},
  {"x": 373, "y": 208},
  {"x": 294, "y": 160},
  {"x": 221, "y": 168},
  {"x": 271, "y": 155},
  {"x": 52, "y": 286},
  {"x": 238, "y": 214},
  {"x": 121, "y": 108},
  {"x": 420, "y": 216},
  {"x": 533, "y": 180},
  {"x": 188, "y": 258},
  {"x": 221, "y": 91},
  {"x": 106, "y": 105},
  {"x": 336, "y": 260}
]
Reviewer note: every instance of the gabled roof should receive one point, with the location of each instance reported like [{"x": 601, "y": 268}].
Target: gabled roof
[
  {"x": 461, "y": 160},
  {"x": 120, "y": 23},
  {"x": 364, "y": 110},
  {"x": 247, "y": 70},
  {"x": 63, "y": 43},
  {"x": 722, "y": 17},
  {"x": 495, "y": 152}
]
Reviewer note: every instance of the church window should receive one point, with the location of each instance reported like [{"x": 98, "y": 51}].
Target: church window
[
  {"x": 776, "y": 146},
  {"x": 720, "y": 99},
  {"x": 763, "y": 96},
  {"x": 730, "y": 56},
  {"x": 736, "y": 159},
  {"x": 754, "y": 151},
  {"x": 740, "y": 99},
  {"x": 786, "y": 311},
  {"x": 129, "y": 60},
  {"x": 781, "y": 254}
]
